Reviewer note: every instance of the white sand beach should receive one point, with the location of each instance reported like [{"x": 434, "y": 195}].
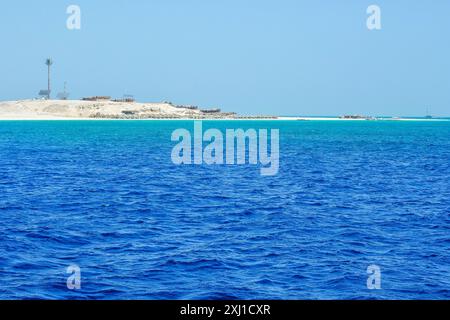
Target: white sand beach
[{"x": 79, "y": 109}]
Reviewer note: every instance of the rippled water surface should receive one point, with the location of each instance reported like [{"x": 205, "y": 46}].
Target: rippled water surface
[{"x": 104, "y": 195}]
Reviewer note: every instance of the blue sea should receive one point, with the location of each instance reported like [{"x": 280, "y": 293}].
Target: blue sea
[{"x": 105, "y": 196}]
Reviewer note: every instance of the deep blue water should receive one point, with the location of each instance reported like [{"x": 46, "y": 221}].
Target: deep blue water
[{"x": 104, "y": 195}]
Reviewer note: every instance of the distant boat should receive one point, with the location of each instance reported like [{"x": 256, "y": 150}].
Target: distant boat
[{"x": 428, "y": 116}]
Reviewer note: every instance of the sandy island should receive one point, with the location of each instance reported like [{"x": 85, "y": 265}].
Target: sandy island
[{"x": 106, "y": 109}]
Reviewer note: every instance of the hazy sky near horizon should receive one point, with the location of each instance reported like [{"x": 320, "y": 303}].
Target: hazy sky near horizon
[{"x": 313, "y": 57}]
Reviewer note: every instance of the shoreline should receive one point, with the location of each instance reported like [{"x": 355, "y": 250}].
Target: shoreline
[
  {"x": 109, "y": 110},
  {"x": 337, "y": 119}
]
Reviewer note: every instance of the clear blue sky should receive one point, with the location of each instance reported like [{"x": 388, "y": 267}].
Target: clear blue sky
[{"x": 312, "y": 57}]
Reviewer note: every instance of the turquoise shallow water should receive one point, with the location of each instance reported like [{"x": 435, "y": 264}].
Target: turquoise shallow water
[{"x": 104, "y": 195}]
